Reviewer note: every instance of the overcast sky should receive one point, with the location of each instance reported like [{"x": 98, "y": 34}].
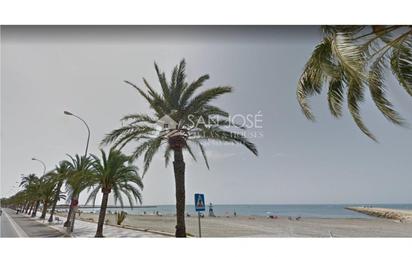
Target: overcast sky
[{"x": 46, "y": 70}]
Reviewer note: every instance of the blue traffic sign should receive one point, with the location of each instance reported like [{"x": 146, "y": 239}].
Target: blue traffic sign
[{"x": 200, "y": 202}]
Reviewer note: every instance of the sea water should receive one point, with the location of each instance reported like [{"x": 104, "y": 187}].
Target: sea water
[{"x": 293, "y": 210}]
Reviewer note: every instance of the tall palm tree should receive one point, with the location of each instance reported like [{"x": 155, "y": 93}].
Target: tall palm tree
[
  {"x": 46, "y": 190},
  {"x": 351, "y": 59},
  {"x": 59, "y": 176},
  {"x": 177, "y": 101},
  {"x": 78, "y": 169},
  {"x": 28, "y": 182},
  {"x": 113, "y": 173},
  {"x": 32, "y": 187}
]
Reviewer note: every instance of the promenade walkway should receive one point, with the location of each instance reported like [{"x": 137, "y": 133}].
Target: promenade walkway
[
  {"x": 88, "y": 229},
  {"x": 19, "y": 225}
]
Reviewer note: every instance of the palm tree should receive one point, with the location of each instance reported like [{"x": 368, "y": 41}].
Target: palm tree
[
  {"x": 351, "y": 59},
  {"x": 46, "y": 191},
  {"x": 15, "y": 201},
  {"x": 32, "y": 186},
  {"x": 59, "y": 176},
  {"x": 113, "y": 173},
  {"x": 27, "y": 182},
  {"x": 78, "y": 169},
  {"x": 177, "y": 101}
]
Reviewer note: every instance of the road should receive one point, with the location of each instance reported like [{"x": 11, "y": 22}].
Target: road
[
  {"x": 17, "y": 225},
  {"x": 7, "y": 228}
]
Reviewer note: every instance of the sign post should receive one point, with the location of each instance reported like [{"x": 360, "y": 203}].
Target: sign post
[{"x": 199, "y": 207}]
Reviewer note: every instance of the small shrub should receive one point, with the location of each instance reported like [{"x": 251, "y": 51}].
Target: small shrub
[{"x": 120, "y": 217}]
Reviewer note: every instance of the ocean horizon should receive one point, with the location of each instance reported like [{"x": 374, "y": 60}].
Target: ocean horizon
[{"x": 261, "y": 210}]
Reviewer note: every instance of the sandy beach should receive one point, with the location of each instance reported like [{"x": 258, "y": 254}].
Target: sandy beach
[{"x": 242, "y": 226}]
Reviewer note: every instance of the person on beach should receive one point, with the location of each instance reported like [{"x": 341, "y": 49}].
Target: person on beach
[{"x": 211, "y": 213}]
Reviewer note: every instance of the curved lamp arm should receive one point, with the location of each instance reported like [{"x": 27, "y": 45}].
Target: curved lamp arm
[
  {"x": 44, "y": 165},
  {"x": 88, "y": 130}
]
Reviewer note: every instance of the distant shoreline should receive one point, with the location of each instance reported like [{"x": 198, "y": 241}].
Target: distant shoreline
[
  {"x": 307, "y": 211},
  {"x": 253, "y": 226}
]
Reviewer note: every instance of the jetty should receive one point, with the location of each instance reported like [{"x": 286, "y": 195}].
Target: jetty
[{"x": 394, "y": 214}]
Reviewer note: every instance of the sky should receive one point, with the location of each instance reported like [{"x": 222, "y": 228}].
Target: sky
[{"x": 46, "y": 70}]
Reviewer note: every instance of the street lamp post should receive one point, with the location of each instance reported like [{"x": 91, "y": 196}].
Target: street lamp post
[
  {"x": 44, "y": 172},
  {"x": 88, "y": 130},
  {"x": 74, "y": 202},
  {"x": 44, "y": 165}
]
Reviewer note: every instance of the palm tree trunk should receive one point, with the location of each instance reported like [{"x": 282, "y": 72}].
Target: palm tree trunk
[
  {"x": 67, "y": 222},
  {"x": 25, "y": 207},
  {"x": 44, "y": 212},
  {"x": 179, "y": 170},
  {"x": 35, "y": 209},
  {"x": 102, "y": 214},
  {"x": 31, "y": 208},
  {"x": 56, "y": 197},
  {"x": 73, "y": 213}
]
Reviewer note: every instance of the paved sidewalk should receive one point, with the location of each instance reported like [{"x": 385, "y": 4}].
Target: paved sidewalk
[
  {"x": 88, "y": 229},
  {"x": 31, "y": 227}
]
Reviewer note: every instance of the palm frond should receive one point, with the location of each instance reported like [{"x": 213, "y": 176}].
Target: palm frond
[
  {"x": 205, "y": 97},
  {"x": 214, "y": 110},
  {"x": 376, "y": 87},
  {"x": 152, "y": 103},
  {"x": 189, "y": 150},
  {"x": 189, "y": 91},
  {"x": 117, "y": 196},
  {"x": 92, "y": 196},
  {"x": 355, "y": 95},
  {"x": 401, "y": 64},
  {"x": 203, "y": 151},
  {"x": 150, "y": 152},
  {"x": 163, "y": 82},
  {"x": 217, "y": 134},
  {"x": 314, "y": 75},
  {"x": 336, "y": 96},
  {"x": 143, "y": 147},
  {"x": 124, "y": 132},
  {"x": 179, "y": 83},
  {"x": 350, "y": 58},
  {"x": 167, "y": 153},
  {"x": 136, "y": 118}
]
